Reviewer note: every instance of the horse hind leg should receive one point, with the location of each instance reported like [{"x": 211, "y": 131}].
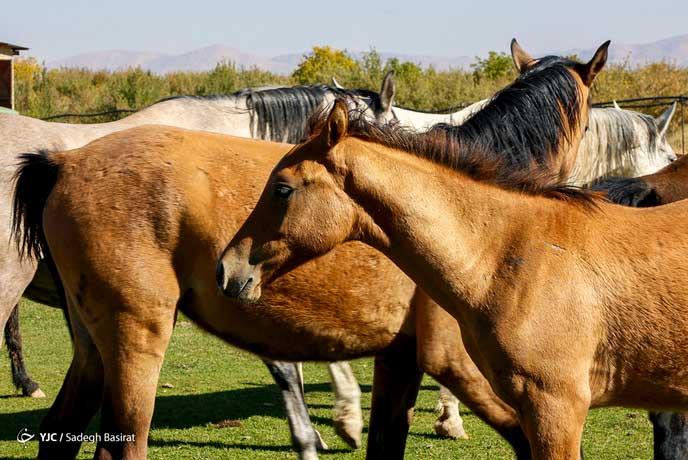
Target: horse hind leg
[
  {"x": 132, "y": 348},
  {"x": 20, "y": 377},
  {"x": 670, "y": 435},
  {"x": 305, "y": 439},
  {"x": 348, "y": 418},
  {"x": 449, "y": 424},
  {"x": 78, "y": 399}
]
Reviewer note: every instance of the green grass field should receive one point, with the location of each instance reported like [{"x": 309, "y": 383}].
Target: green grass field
[{"x": 211, "y": 382}]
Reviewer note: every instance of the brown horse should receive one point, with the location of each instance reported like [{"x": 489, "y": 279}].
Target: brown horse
[
  {"x": 186, "y": 207},
  {"x": 665, "y": 186},
  {"x": 563, "y": 302}
]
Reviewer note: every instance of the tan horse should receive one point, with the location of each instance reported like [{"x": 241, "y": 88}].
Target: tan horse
[
  {"x": 563, "y": 301},
  {"x": 186, "y": 208},
  {"x": 665, "y": 186}
]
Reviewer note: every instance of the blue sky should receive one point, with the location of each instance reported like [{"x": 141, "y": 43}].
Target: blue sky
[{"x": 55, "y": 29}]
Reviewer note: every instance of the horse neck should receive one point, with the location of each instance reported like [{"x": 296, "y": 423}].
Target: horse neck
[{"x": 433, "y": 222}]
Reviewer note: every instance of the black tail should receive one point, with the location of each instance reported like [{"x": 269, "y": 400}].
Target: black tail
[{"x": 34, "y": 181}]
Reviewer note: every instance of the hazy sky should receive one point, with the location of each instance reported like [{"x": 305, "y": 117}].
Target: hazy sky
[{"x": 55, "y": 29}]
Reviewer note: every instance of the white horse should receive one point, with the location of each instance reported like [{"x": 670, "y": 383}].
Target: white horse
[{"x": 623, "y": 143}]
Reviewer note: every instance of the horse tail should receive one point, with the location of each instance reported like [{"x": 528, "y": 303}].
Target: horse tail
[{"x": 34, "y": 180}]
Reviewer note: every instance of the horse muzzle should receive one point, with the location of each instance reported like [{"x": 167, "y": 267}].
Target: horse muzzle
[{"x": 238, "y": 280}]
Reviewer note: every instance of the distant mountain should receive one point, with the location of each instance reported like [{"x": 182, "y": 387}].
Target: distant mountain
[
  {"x": 206, "y": 58},
  {"x": 674, "y": 49}
]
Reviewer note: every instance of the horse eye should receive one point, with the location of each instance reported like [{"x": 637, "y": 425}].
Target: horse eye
[{"x": 282, "y": 191}]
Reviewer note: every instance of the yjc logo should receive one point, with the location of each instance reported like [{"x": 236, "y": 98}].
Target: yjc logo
[{"x": 24, "y": 436}]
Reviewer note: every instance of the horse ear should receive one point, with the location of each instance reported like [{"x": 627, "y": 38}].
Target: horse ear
[
  {"x": 387, "y": 91},
  {"x": 336, "y": 84},
  {"x": 520, "y": 56},
  {"x": 337, "y": 123},
  {"x": 664, "y": 119},
  {"x": 595, "y": 65},
  {"x": 616, "y": 106}
]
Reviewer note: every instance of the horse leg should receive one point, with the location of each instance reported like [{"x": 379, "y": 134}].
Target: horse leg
[
  {"x": 305, "y": 439},
  {"x": 78, "y": 399},
  {"x": 670, "y": 435},
  {"x": 396, "y": 382},
  {"x": 348, "y": 418},
  {"x": 16, "y": 275},
  {"x": 553, "y": 422},
  {"x": 442, "y": 355},
  {"x": 20, "y": 376},
  {"x": 449, "y": 423}
]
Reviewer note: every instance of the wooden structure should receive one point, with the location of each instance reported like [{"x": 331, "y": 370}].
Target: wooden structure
[{"x": 7, "y": 53}]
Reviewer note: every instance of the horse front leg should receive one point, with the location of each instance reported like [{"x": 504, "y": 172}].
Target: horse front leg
[
  {"x": 305, "y": 439},
  {"x": 396, "y": 383},
  {"x": 348, "y": 418},
  {"x": 553, "y": 422}
]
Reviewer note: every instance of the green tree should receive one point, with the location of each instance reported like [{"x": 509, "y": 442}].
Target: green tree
[
  {"x": 323, "y": 63},
  {"x": 495, "y": 67}
]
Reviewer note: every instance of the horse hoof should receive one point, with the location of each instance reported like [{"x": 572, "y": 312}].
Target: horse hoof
[
  {"x": 320, "y": 443},
  {"x": 450, "y": 429},
  {"x": 38, "y": 393},
  {"x": 349, "y": 431}
]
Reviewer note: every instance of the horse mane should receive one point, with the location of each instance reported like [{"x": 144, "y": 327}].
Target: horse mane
[
  {"x": 612, "y": 137},
  {"x": 527, "y": 121},
  {"x": 472, "y": 158},
  {"x": 281, "y": 114},
  {"x": 628, "y": 191}
]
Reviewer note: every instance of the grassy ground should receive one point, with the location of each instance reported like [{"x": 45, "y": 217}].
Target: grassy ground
[{"x": 211, "y": 382}]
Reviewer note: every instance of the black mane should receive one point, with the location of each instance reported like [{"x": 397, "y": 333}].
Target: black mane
[
  {"x": 282, "y": 114},
  {"x": 526, "y": 122},
  {"x": 472, "y": 158}
]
